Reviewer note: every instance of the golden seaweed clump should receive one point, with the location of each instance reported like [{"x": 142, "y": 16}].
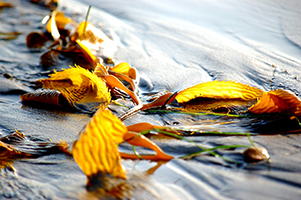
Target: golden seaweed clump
[
  {"x": 96, "y": 149},
  {"x": 78, "y": 85}
]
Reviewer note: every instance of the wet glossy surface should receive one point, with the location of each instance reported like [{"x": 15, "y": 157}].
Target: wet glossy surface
[{"x": 174, "y": 45}]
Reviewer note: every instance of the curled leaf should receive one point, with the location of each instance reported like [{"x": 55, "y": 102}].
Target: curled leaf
[
  {"x": 219, "y": 90},
  {"x": 96, "y": 149},
  {"x": 78, "y": 85},
  {"x": 277, "y": 101}
]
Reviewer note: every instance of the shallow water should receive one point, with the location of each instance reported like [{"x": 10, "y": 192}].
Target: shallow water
[{"x": 174, "y": 45}]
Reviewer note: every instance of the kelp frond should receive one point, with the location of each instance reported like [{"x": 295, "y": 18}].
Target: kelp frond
[
  {"x": 96, "y": 150},
  {"x": 219, "y": 90},
  {"x": 78, "y": 85}
]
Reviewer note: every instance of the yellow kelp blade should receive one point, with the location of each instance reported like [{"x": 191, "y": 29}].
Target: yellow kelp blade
[
  {"x": 59, "y": 20},
  {"x": 122, "y": 71},
  {"x": 78, "y": 85},
  {"x": 125, "y": 78},
  {"x": 138, "y": 127},
  {"x": 219, "y": 90},
  {"x": 112, "y": 82},
  {"x": 126, "y": 69},
  {"x": 278, "y": 101},
  {"x": 96, "y": 149},
  {"x": 140, "y": 140}
]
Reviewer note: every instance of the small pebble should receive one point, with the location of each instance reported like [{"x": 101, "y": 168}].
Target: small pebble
[{"x": 256, "y": 154}]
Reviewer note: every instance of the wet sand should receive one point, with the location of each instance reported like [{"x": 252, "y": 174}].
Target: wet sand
[{"x": 174, "y": 45}]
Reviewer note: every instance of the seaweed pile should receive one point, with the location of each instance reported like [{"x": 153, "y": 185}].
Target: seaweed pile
[{"x": 95, "y": 83}]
